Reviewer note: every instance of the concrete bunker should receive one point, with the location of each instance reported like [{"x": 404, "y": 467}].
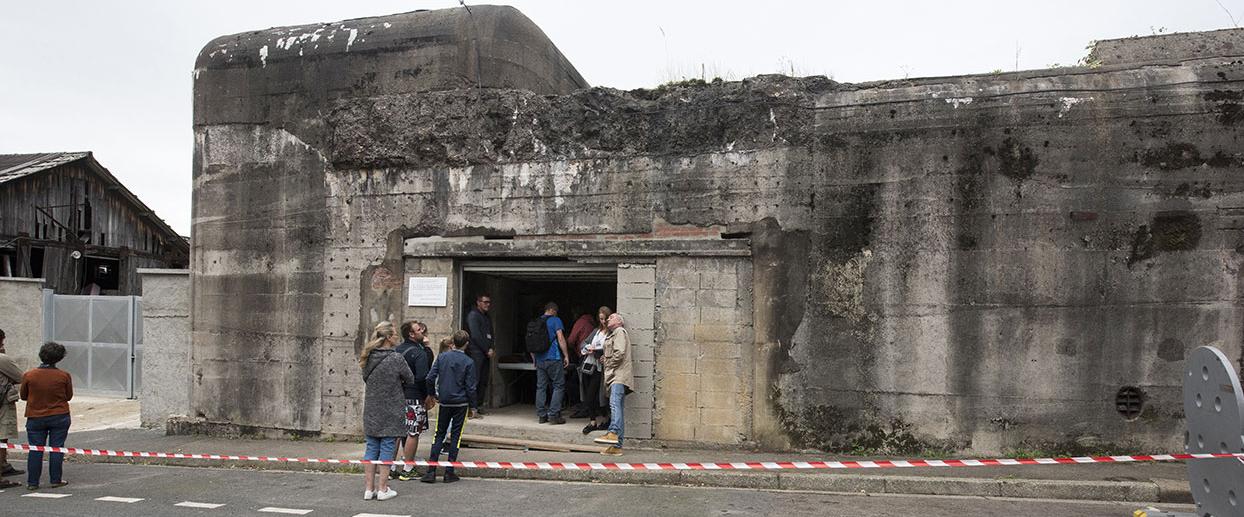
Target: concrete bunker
[{"x": 959, "y": 262}]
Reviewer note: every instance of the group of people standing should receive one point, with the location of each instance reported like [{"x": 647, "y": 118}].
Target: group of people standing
[
  {"x": 603, "y": 362},
  {"x": 47, "y": 391},
  {"x": 405, "y": 380}
]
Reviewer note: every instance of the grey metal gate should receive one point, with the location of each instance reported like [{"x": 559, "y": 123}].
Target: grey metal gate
[{"x": 103, "y": 338}]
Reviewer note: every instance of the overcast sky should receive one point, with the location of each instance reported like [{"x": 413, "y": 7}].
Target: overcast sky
[{"x": 114, "y": 77}]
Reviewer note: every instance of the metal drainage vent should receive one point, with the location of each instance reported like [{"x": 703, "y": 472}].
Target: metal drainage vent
[{"x": 1129, "y": 402}]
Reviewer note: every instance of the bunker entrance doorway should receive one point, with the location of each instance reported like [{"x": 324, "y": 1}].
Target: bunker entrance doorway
[{"x": 519, "y": 292}]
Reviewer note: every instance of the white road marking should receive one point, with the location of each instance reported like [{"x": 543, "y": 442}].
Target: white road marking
[
  {"x": 45, "y": 495},
  {"x": 290, "y": 511},
  {"x": 111, "y": 499},
  {"x": 192, "y": 504},
  {"x": 379, "y": 515}
]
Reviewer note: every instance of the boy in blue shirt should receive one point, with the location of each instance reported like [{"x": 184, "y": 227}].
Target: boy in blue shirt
[
  {"x": 551, "y": 369},
  {"x": 451, "y": 383}
]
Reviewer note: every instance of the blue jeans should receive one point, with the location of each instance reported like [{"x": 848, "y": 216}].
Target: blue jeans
[
  {"x": 546, "y": 372},
  {"x": 50, "y": 431},
  {"x": 617, "y": 395},
  {"x": 380, "y": 448}
]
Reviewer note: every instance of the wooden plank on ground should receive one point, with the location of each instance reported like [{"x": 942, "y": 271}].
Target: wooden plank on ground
[{"x": 529, "y": 444}]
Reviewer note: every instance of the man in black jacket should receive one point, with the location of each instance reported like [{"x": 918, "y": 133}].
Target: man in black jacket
[
  {"x": 419, "y": 357},
  {"x": 479, "y": 326}
]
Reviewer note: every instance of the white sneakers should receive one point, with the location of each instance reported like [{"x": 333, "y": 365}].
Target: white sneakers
[{"x": 389, "y": 493}]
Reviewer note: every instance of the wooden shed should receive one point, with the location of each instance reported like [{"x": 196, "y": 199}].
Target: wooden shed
[{"x": 65, "y": 218}]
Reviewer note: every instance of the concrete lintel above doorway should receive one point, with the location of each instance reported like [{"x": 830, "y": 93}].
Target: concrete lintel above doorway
[{"x": 478, "y": 247}]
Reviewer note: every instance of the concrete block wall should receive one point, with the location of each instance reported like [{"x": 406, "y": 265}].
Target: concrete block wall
[
  {"x": 440, "y": 320},
  {"x": 21, "y": 317},
  {"x": 703, "y": 362},
  {"x": 636, "y": 295},
  {"x": 166, "y": 345}
]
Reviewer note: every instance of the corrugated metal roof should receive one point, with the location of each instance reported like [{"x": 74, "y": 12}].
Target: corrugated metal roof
[{"x": 14, "y": 166}]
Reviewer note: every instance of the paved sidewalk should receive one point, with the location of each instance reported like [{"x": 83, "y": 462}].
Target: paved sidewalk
[{"x": 1138, "y": 482}]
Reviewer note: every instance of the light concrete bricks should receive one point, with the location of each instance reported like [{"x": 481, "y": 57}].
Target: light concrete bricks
[
  {"x": 674, "y": 426},
  {"x": 714, "y": 333},
  {"x": 644, "y": 386},
  {"x": 678, "y": 365},
  {"x": 717, "y": 399},
  {"x": 21, "y": 317},
  {"x": 644, "y": 353},
  {"x": 671, "y": 348},
  {"x": 166, "y": 345},
  {"x": 685, "y": 382},
  {"x": 671, "y": 316},
  {"x": 637, "y": 303},
  {"x": 717, "y": 433},
  {"x": 632, "y": 292},
  {"x": 678, "y": 297},
  {"x": 637, "y": 274},
  {"x": 720, "y": 382},
  {"x": 716, "y": 298},
  {"x": 636, "y": 317},
  {"x": 686, "y": 279},
  {"x": 679, "y": 400},
  {"x": 719, "y": 416},
  {"x": 709, "y": 365},
  {"x": 644, "y": 337},
  {"x": 721, "y": 350},
  {"x": 726, "y": 317},
  {"x": 726, "y": 280},
  {"x": 700, "y": 323}
]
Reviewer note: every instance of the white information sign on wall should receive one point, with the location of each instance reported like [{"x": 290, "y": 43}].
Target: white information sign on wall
[{"x": 428, "y": 291}]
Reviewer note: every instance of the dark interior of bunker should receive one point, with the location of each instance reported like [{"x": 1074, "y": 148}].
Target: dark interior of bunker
[{"x": 519, "y": 291}]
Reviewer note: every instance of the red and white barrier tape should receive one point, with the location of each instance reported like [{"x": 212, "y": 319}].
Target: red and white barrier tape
[{"x": 750, "y": 465}]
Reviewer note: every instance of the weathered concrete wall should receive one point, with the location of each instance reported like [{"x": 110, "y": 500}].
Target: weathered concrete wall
[
  {"x": 166, "y": 345},
  {"x": 21, "y": 317},
  {"x": 975, "y": 262},
  {"x": 1168, "y": 48}
]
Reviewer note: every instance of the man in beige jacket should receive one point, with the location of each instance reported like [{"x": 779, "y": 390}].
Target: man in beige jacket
[
  {"x": 619, "y": 378},
  {"x": 10, "y": 379}
]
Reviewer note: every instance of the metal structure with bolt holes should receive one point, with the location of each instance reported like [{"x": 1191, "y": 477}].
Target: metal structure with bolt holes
[{"x": 1214, "y": 409}]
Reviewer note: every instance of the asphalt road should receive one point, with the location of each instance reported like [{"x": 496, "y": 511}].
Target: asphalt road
[{"x": 246, "y": 492}]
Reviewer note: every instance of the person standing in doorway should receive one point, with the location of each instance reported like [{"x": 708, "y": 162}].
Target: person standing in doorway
[
  {"x": 619, "y": 378},
  {"x": 452, "y": 381},
  {"x": 384, "y": 375},
  {"x": 10, "y": 380},
  {"x": 592, "y": 373},
  {"x": 479, "y": 326},
  {"x": 418, "y": 356},
  {"x": 579, "y": 331},
  {"x": 47, "y": 392},
  {"x": 551, "y": 369}
]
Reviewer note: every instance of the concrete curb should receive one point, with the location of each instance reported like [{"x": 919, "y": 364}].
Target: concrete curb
[{"x": 1147, "y": 491}]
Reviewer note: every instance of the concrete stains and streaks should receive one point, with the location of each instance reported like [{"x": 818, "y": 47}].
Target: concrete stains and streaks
[
  {"x": 908, "y": 277},
  {"x": 1068, "y": 102},
  {"x": 354, "y": 33},
  {"x": 959, "y": 101}
]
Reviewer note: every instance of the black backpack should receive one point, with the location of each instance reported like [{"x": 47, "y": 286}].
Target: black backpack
[{"x": 538, "y": 335}]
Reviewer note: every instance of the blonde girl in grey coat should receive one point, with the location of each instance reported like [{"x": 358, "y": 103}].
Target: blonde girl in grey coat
[{"x": 384, "y": 405}]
